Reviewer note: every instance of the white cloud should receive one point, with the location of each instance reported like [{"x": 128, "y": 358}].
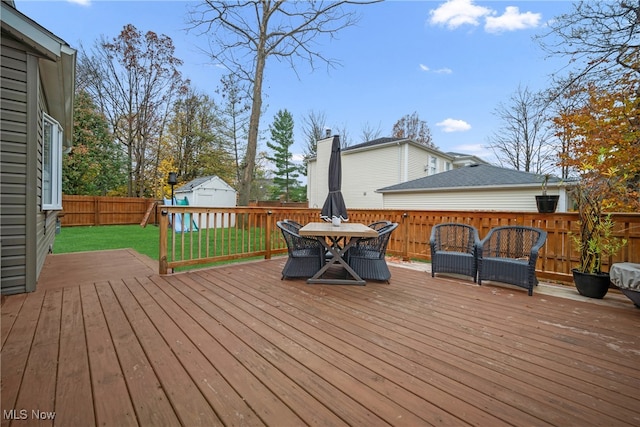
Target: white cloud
[
  {"x": 443, "y": 70},
  {"x": 512, "y": 20},
  {"x": 81, "y": 2},
  {"x": 454, "y": 125},
  {"x": 479, "y": 150},
  {"x": 455, "y": 13}
]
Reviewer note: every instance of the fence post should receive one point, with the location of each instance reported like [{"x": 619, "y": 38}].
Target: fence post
[
  {"x": 96, "y": 210},
  {"x": 164, "y": 226},
  {"x": 405, "y": 239},
  {"x": 267, "y": 239}
]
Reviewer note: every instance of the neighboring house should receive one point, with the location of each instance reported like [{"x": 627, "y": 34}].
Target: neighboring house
[
  {"x": 209, "y": 191},
  {"x": 37, "y": 76},
  {"x": 375, "y": 164},
  {"x": 475, "y": 187}
]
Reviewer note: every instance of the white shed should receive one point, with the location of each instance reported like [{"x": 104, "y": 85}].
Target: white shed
[{"x": 210, "y": 192}]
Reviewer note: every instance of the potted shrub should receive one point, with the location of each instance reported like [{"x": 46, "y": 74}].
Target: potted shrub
[
  {"x": 594, "y": 241},
  {"x": 546, "y": 203}
]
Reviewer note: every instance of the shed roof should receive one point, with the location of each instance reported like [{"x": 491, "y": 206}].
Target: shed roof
[
  {"x": 201, "y": 181},
  {"x": 478, "y": 175}
]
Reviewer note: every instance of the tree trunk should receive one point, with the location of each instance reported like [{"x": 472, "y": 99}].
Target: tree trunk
[{"x": 254, "y": 124}]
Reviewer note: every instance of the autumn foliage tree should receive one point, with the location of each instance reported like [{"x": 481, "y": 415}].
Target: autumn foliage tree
[
  {"x": 411, "y": 127},
  {"x": 133, "y": 79},
  {"x": 603, "y": 140}
]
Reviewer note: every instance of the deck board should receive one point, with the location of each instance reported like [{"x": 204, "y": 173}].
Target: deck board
[
  {"x": 235, "y": 345},
  {"x": 111, "y": 400},
  {"x": 74, "y": 377}
]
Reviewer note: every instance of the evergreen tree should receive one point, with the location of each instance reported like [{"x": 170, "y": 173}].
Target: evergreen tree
[{"x": 286, "y": 173}]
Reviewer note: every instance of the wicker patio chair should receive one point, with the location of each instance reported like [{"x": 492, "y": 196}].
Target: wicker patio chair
[
  {"x": 367, "y": 256},
  {"x": 379, "y": 224},
  {"x": 509, "y": 254},
  {"x": 453, "y": 249},
  {"x": 295, "y": 224},
  {"x": 306, "y": 255}
]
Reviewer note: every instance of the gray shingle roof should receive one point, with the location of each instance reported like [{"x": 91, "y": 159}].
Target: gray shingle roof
[
  {"x": 373, "y": 142},
  {"x": 194, "y": 183},
  {"x": 473, "y": 176}
]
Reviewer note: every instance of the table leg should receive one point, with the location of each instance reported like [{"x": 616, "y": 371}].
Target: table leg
[{"x": 337, "y": 258}]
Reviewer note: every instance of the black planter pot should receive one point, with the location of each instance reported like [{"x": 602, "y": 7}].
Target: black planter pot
[
  {"x": 547, "y": 204},
  {"x": 591, "y": 285}
]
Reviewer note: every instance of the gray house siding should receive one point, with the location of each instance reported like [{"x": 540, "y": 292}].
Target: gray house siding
[
  {"x": 45, "y": 220},
  {"x": 13, "y": 175},
  {"x": 26, "y": 235},
  {"x": 37, "y": 73}
]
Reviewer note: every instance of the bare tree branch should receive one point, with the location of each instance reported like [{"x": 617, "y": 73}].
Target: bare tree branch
[{"x": 243, "y": 35}]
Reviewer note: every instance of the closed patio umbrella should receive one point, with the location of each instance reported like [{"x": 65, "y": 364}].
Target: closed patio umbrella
[{"x": 334, "y": 205}]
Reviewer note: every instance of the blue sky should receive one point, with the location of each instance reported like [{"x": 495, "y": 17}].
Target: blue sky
[{"x": 452, "y": 62}]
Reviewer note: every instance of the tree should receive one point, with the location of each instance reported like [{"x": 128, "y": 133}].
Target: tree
[
  {"x": 96, "y": 164},
  {"x": 369, "y": 133},
  {"x": 598, "y": 37},
  {"x": 598, "y": 117},
  {"x": 411, "y": 127},
  {"x": 286, "y": 173},
  {"x": 314, "y": 129},
  {"x": 603, "y": 147},
  {"x": 133, "y": 78},
  {"x": 524, "y": 141},
  {"x": 234, "y": 120},
  {"x": 245, "y": 34},
  {"x": 195, "y": 144}
]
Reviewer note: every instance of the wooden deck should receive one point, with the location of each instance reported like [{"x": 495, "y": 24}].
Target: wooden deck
[{"x": 236, "y": 345}]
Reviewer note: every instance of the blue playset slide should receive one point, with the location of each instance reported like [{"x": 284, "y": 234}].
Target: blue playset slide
[{"x": 189, "y": 223}]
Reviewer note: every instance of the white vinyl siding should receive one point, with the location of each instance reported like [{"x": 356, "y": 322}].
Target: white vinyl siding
[
  {"x": 479, "y": 199},
  {"x": 369, "y": 169},
  {"x": 416, "y": 162},
  {"x": 364, "y": 172}
]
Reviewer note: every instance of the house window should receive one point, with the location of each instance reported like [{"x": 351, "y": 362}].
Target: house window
[
  {"x": 433, "y": 165},
  {"x": 51, "y": 165},
  {"x": 447, "y": 166}
]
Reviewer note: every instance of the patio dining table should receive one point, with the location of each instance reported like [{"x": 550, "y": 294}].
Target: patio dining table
[{"x": 329, "y": 236}]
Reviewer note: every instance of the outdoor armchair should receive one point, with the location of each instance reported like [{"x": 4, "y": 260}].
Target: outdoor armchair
[
  {"x": 508, "y": 254},
  {"x": 453, "y": 249},
  {"x": 306, "y": 255},
  {"x": 297, "y": 226},
  {"x": 379, "y": 224},
  {"x": 367, "y": 256}
]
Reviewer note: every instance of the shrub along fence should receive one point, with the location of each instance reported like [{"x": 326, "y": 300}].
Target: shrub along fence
[{"x": 230, "y": 233}]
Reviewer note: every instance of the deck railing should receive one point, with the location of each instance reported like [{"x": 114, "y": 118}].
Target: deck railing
[{"x": 220, "y": 234}]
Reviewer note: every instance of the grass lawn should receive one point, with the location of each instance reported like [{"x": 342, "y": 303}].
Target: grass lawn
[
  {"x": 96, "y": 238},
  {"x": 147, "y": 240}
]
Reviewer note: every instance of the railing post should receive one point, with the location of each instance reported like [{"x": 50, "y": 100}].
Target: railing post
[
  {"x": 267, "y": 239},
  {"x": 164, "y": 227}
]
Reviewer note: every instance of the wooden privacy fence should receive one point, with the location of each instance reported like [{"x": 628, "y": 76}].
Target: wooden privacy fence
[
  {"x": 205, "y": 235},
  {"x": 99, "y": 210}
]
